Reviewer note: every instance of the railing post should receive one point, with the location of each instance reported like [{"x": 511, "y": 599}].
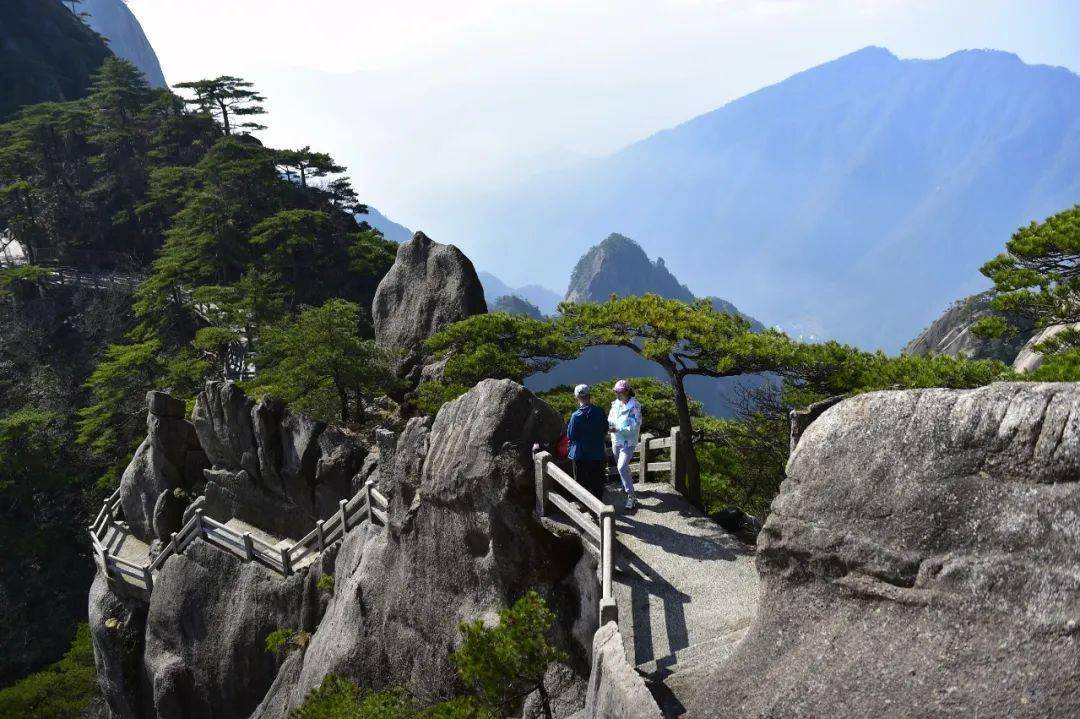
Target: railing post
[
  {"x": 286, "y": 561},
  {"x": 643, "y": 458},
  {"x": 678, "y": 480},
  {"x": 320, "y": 534},
  {"x": 172, "y": 548},
  {"x": 249, "y": 547},
  {"x": 609, "y": 611},
  {"x": 105, "y": 562},
  {"x": 368, "y": 485},
  {"x": 199, "y": 530},
  {"x": 148, "y": 578},
  {"x": 543, "y": 482},
  {"x": 343, "y": 505}
]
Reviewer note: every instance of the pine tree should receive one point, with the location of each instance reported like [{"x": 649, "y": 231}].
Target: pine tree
[{"x": 226, "y": 98}]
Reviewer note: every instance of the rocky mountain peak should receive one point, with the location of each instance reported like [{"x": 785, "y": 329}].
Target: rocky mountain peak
[{"x": 618, "y": 265}]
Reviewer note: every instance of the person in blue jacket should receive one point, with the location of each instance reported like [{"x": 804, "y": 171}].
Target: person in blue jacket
[{"x": 587, "y": 431}]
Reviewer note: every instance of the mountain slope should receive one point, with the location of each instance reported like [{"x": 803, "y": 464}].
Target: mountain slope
[
  {"x": 115, "y": 21},
  {"x": 543, "y": 298},
  {"x": 46, "y": 54},
  {"x": 951, "y": 333},
  {"x": 849, "y": 201},
  {"x": 390, "y": 230}
]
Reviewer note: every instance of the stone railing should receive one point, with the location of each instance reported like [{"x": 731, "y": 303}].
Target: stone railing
[
  {"x": 368, "y": 504},
  {"x": 597, "y": 522},
  {"x": 644, "y": 453},
  {"x": 601, "y": 532}
]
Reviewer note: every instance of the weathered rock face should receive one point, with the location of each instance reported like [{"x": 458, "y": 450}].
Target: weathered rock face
[
  {"x": 616, "y": 691},
  {"x": 921, "y": 560},
  {"x": 117, "y": 628},
  {"x": 429, "y": 287},
  {"x": 1030, "y": 359},
  {"x": 272, "y": 467},
  {"x": 951, "y": 333},
  {"x": 199, "y": 649},
  {"x": 461, "y": 544},
  {"x": 169, "y": 459}
]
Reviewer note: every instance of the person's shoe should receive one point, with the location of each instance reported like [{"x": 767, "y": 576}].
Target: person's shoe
[{"x": 630, "y": 502}]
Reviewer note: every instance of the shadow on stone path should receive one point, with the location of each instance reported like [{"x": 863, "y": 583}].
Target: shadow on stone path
[{"x": 686, "y": 589}]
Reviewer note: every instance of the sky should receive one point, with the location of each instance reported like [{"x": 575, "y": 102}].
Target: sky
[{"x": 427, "y": 101}]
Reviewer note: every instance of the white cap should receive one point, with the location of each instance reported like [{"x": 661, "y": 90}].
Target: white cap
[{"x": 582, "y": 390}]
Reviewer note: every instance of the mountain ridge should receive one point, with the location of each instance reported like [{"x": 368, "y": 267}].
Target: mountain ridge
[{"x": 850, "y": 200}]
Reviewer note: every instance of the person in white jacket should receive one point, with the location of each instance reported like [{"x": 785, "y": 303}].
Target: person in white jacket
[{"x": 624, "y": 422}]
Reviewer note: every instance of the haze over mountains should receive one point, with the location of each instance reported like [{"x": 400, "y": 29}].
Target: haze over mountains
[{"x": 855, "y": 200}]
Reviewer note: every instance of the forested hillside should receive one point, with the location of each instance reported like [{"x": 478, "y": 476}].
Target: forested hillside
[{"x": 237, "y": 248}]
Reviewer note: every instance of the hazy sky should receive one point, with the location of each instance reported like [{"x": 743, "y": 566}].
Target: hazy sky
[{"x": 426, "y": 99}]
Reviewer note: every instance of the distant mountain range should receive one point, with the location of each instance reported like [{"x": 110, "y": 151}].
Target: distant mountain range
[
  {"x": 546, "y": 300},
  {"x": 389, "y": 229},
  {"x": 852, "y": 201},
  {"x": 115, "y": 21}
]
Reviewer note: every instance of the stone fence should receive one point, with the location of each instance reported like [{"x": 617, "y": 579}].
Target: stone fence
[{"x": 367, "y": 505}]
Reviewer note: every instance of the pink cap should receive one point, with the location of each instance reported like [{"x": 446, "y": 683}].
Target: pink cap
[{"x": 622, "y": 386}]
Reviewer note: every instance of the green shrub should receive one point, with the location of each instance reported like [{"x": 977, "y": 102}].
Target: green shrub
[
  {"x": 286, "y": 639},
  {"x": 326, "y": 582},
  {"x": 61, "y": 691},
  {"x": 507, "y": 662},
  {"x": 338, "y": 698}
]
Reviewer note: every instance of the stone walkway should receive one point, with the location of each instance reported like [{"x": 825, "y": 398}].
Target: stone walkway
[
  {"x": 123, "y": 544},
  {"x": 686, "y": 589}
]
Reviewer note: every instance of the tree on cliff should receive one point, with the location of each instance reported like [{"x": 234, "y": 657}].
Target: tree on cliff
[
  {"x": 322, "y": 365},
  {"x": 507, "y": 662},
  {"x": 225, "y": 98},
  {"x": 493, "y": 345},
  {"x": 1038, "y": 277},
  {"x": 685, "y": 340}
]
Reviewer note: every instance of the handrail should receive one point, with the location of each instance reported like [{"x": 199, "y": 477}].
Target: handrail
[
  {"x": 369, "y": 504},
  {"x": 547, "y": 474},
  {"x": 602, "y": 530},
  {"x": 580, "y": 493}
]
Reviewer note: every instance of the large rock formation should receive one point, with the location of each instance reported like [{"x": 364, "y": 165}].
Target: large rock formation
[
  {"x": 951, "y": 333},
  {"x": 199, "y": 649},
  {"x": 461, "y": 544},
  {"x": 272, "y": 467},
  {"x": 1029, "y": 358},
  {"x": 429, "y": 287},
  {"x": 619, "y": 266},
  {"x": 164, "y": 472},
  {"x": 921, "y": 560}
]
